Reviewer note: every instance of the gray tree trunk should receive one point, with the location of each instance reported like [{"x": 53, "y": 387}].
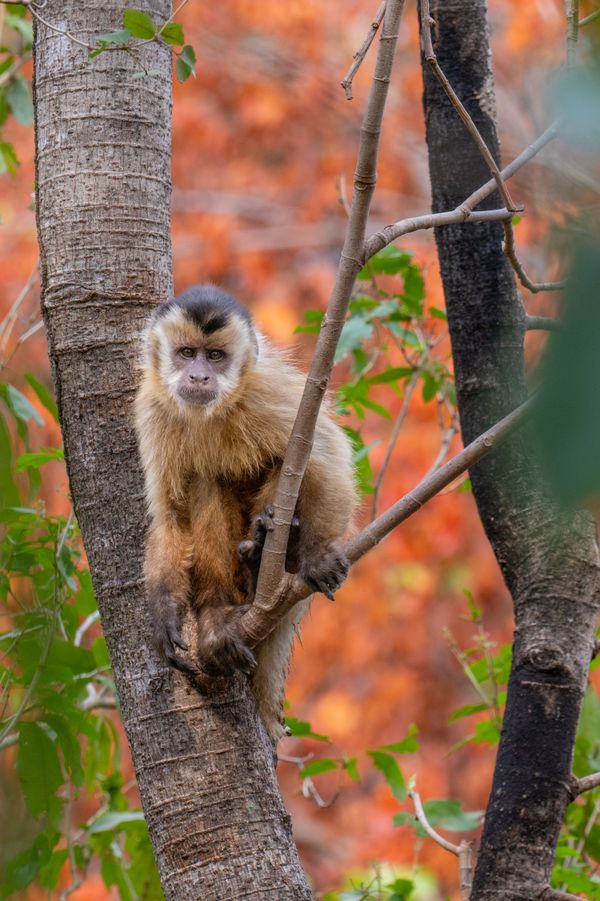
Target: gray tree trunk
[
  {"x": 548, "y": 556},
  {"x": 205, "y": 768}
]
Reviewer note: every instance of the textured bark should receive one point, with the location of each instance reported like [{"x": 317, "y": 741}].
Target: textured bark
[
  {"x": 204, "y": 766},
  {"x": 548, "y": 556}
]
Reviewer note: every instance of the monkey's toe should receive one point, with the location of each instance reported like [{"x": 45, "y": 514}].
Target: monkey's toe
[{"x": 327, "y": 573}]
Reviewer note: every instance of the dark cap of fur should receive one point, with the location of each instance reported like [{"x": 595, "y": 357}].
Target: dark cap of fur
[{"x": 207, "y": 306}]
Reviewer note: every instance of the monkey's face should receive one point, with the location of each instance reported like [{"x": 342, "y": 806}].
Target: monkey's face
[{"x": 201, "y": 363}]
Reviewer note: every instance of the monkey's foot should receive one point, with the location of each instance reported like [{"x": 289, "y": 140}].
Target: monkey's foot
[
  {"x": 221, "y": 650},
  {"x": 168, "y": 640},
  {"x": 326, "y": 572},
  {"x": 250, "y": 550}
]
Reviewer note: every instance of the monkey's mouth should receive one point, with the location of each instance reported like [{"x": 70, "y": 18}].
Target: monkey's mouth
[{"x": 197, "y": 397}]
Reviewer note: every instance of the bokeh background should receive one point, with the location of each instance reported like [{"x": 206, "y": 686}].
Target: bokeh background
[{"x": 263, "y": 143}]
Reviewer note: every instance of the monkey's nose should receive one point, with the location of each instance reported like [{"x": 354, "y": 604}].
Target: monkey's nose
[{"x": 198, "y": 378}]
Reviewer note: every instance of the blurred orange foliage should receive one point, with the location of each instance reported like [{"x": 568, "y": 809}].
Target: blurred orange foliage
[{"x": 263, "y": 141}]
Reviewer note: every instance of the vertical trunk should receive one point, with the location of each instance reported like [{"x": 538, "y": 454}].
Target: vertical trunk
[
  {"x": 205, "y": 767},
  {"x": 548, "y": 556}
]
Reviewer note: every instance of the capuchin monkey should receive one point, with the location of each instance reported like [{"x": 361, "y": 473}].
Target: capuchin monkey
[{"x": 214, "y": 415}]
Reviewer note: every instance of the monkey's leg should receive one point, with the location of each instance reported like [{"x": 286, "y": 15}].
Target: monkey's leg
[
  {"x": 273, "y": 656},
  {"x": 250, "y": 550},
  {"x": 221, "y": 651},
  {"x": 167, "y": 582}
]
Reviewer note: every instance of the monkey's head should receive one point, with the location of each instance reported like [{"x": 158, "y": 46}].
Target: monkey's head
[{"x": 200, "y": 345}]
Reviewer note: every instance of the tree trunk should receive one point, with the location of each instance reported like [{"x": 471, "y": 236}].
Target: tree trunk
[
  {"x": 204, "y": 766},
  {"x": 548, "y": 556}
]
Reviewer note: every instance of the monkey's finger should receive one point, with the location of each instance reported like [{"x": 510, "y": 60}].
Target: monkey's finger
[{"x": 243, "y": 658}]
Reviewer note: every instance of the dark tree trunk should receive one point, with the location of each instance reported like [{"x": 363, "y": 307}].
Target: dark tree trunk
[
  {"x": 548, "y": 556},
  {"x": 103, "y": 135}
]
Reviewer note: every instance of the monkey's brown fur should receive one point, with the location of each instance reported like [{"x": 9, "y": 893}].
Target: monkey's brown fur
[{"x": 211, "y": 469}]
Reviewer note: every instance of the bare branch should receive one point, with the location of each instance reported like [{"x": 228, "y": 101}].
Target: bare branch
[
  {"x": 550, "y": 894},
  {"x": 300, "y": 444},
  {"x": 66, "y": 34},
  {"x": 591, "y": 18},
  {"x": 511, "y": 252},
  {"x": 360, "y": 54},
  {"x": 461, "y": 110},
  {"x": 422, "y": 818},
  {"x": 260, "y": 621},
  {"x": 428, "y": 487},
  {"x": 585, "y": 784},
  {"x": 430, "y": 220},
  {"x": 572, "y": 14},
  {"x": 542, "y": 324}
]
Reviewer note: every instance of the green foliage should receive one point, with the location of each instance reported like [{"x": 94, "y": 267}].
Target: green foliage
[
  {"x": 386, "y": 347},
  {"x": 54, "y": 672}
]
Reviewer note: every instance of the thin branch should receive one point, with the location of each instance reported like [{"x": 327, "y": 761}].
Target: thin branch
[
  {"x": 428, "y": 487},
  {"x": 422, "y": 818},
  {"x": 464, "y": 851},
  {"x": 591, "y": 18},
  {"x": 410, "y": 389},
  {"x": 551, "y": 894},
  {"x": 486, "y": 153},
  {"x": 259, "y": 622},
  {"x": 572, "y": 14},
  {"x": 360, "y": 54},
  {"x": 7, "y": 324},
  {"x": 61, "y": 31},
  {"x": 542, "y": 324},
  {"x": 271, "y": 573},
  {"x": 458, "y": 216},
  {"x": 6, "y": 76},
  {"x": 511, "y": 252},
  {"x": 585, "y": 784}
]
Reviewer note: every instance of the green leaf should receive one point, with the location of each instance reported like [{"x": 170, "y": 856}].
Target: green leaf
[
  {"x": 185, "y": 63},
  {"x": 391, "y": 375},
  {"x": 70, "y": 746},
  {"x": 438, "y": 314},
  {"x": 34, "y": 461},
  {"x": 23, "y": 26},
  {"x": 172, "y": 33},
  {"x": 467, "y": 710},
  {"x": 390, "y": 261},
  {"x": 39, "y": 770},
  {"x": 19, "y": 406},
  {"x": 354, "y": 332},
  {"x": 302, "y": 729},
  {"x": 351, "y": 768},
  {"x": 19, "y": 100},
  {"x": 115, "y": 37},
  {"x": 401, "y": 889},
  {"x": 50, "y": 872},
  {"x": 77, "y": 660},
  {"x": 109, "y": 822},
  {"x": 8, "y": 159},
  {"x": 386, "y": 764},
  {"x": 486, "y": 733},
  {"x": 316, "y": 767},
  {"x": 450, "y": 815},
  {"x": 139, "y": 24},
  {"x": 8, "y": 489},
  {"x": 408, "y": 745}
]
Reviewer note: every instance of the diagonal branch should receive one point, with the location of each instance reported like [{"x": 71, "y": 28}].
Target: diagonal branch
[
  {"x": 301, "y": 440},
  {"x": 460, "y": 109},
  {"x": 362, "y": 52},
  {"x": 511, "y": 252},
  {"x": 260, "y": 621}
]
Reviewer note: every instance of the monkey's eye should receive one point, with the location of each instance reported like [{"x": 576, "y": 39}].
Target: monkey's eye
[
  {"x": 215, "y": 355},
  {"x": 187, "y": 352}
]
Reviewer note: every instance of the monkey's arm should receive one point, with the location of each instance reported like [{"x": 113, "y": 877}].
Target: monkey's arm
[{"x": 167, "y": 586}]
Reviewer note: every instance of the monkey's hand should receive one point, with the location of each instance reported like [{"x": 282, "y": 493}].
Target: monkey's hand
[
  {"x": 168, "y": 640},
  {"x": 250, "y": 550},
  {"x": 221, "y": 651},
  {"x": 325, "y": 569}
]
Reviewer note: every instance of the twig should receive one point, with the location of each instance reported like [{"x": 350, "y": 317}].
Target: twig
[
  {"x": 61, "y": 31},
  {"x": 7, "y": 324},
  {"x": 463, "y": 212},
  {"x": 585, "y": 784},
  {"x": 511, "y": 252},
  {"x": 464, "y": 851},
  {"x": 591, "y": 18},
  {"x": 572, "y": 14},
  {"x": 6, "y": 76},
  {"x": 259, "y": 622},
  {"x": 85, "y": 625},
  {"x": 460, "y": 109},
  {"x": 428, "y": 487},
  {"x": 542, "y": 324},
  {"x": 410, "y": 389},
  {"x": 271, "y": 574},
  {"x": 360, "y": 54}
]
